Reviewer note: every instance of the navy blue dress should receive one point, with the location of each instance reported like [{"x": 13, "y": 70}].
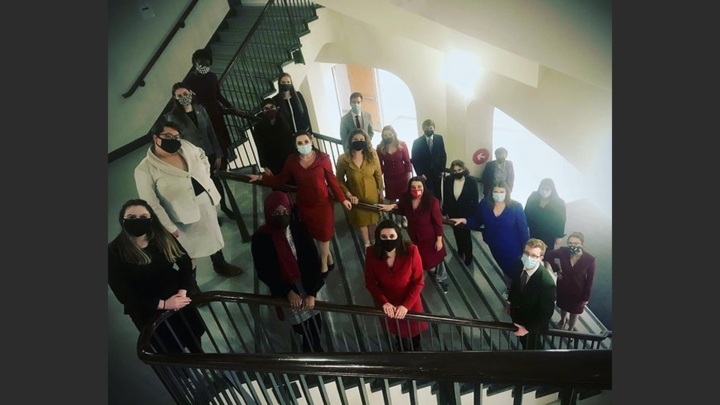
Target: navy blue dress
[{"x": 506, "y": 234}]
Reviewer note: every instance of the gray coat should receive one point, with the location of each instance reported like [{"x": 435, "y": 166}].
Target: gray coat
[{"x": 202, "y": 135}]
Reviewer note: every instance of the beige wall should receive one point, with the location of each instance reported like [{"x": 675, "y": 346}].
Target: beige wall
[{"x": 131, "y": 43}]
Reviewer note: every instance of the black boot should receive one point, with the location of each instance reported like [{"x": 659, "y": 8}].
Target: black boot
[{"x": 222, "y": 267}]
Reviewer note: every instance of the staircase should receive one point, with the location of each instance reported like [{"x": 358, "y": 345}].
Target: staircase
[{"x": 469, "y": 354}]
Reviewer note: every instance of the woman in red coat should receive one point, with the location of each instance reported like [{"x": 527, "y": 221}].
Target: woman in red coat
[
  {"x": 575, "y": 269},
  {"x": 395, "y": 164},
  {"x": 394, "y": 277},
  {"x": 312, "y": 171},
  {"x": 425, "y": 227}
]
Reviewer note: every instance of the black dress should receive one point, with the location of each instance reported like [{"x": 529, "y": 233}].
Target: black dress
[
  {"x": 546, "y": 224},
  {"x": 299, "y": 116},
  {"x": 140, "y": 287}
]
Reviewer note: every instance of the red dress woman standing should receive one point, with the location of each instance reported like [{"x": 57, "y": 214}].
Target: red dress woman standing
[
  {"x": 395, "y": 165},
  {"x": 312, "y": 171},
  {"x": 425, "y": 227},
  {"x": 394, "y": 277}
]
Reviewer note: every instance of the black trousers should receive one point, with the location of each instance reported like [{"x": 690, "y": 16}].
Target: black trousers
[
  {"x": 310, "y": 332},
  {"x": 531, "y": 341},
  {"x": 408, "y": 344},
  {"x": 464, "y": 244},
  {"x": 216, "y": 179}
]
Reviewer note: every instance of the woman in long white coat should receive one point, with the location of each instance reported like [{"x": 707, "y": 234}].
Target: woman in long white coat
[{"x": 174, "y": 178}]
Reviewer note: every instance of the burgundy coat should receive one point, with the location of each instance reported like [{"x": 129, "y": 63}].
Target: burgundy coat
[
  {"x": 400, "y": 285},
  {"x": 424, "y": 226},
  {"x": 576, "y": 283}
]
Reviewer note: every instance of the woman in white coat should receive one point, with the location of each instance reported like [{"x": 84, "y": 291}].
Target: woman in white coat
[{"x": 174, "y": 178}]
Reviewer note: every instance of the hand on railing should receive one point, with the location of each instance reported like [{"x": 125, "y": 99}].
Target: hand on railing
[
  {"x": 296, "y": 301},
  {"x": 400, "y": 312},
  {"x": 387, "y": 207},
  {"x": 254, "y": 177},
  {"x": 389, "y": 309},
  {"x": 347, "y": 204},
  {"x": 521, "y": 330},
  {"x": 309, "y": 303},
  {"x": 352, "y": 198}
]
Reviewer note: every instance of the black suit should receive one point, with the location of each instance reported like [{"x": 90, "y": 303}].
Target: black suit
[
  {"x": 533, "y": 306},
  {"x": 463, "y": 207},
  {"x": 429, "y": 164}
]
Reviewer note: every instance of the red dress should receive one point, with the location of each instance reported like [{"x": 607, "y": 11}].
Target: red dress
[
  {"x": 424, "y": 226},
  {"x": 397, "y": 170},
  {"x": 314, "y": 202},
  {"x": 576, "y": 283},
  {"x": 400, "y": 285}
]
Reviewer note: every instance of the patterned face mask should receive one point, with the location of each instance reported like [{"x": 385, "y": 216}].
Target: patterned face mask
[
  {"x": 185, "y": 100},
  {"x": 203, "y": 70}
]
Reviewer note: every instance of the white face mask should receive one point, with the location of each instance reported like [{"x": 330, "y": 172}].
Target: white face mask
[
  {"x": 545, "y": 193},
  {"x": 499, "y": 197},
  {"x": 203, "y": 70}
]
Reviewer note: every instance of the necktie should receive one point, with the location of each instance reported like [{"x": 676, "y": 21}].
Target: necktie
[
  {"x": 523, "y": 280},
  {"x": 357, "y": 121},
  {"x": 430, "y": 144}
]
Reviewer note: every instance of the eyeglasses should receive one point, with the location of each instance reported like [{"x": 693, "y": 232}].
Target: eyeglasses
[
  {"x": 531, "y": 256},
  {"x": 169, "y": 136},
  {"x": 273, "y": 108}
]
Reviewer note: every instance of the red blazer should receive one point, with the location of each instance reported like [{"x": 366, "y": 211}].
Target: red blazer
[{"x": 400, "y": 285}]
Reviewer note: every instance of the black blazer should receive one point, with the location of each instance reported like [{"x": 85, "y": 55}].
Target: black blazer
[
  {"x": 466, "y": 205},
  {"x": 488, "y": 176},
  {"x": 534, "y": 306},
  {"x": 274, "y": 144},
  {"x": 302, "y": 116},
  {"x": 424, "y": 164},
  {"x": 267, "y": 264}
]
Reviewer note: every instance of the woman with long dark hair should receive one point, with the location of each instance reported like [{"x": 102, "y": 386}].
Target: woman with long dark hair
[
  {"x": 505, "y": 229},
  {"x": 425, "y": 227},
  {"x": 394, "y": 277},
  {"x": 291, "y": 105},
  {"x": 395, "y": 164},
  {"x": 359, "y": 176},
  {"x": 545, "y": 213},
  {"x": 461, "y": 199},
  {"x": 142, "y": 275},
  {"x": 311, "y": 170}
]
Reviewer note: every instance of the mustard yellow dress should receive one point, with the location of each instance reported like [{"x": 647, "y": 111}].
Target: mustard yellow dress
[{"x": 364, "y": 183}]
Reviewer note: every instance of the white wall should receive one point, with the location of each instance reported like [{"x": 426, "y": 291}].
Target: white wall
[{"x": 132, "y": 41}]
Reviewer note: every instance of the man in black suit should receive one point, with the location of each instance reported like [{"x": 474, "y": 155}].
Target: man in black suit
[
  {"x": 429, "y": 157},
  {"x": 532, "y": 297},
  {"x": 497, "y": 170}
]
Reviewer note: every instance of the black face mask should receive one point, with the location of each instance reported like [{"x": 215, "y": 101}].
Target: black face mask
[
  {"x": 285, "y": 87},
  {"x": 389, "y": 245},
  {"x": 359, "y": 145},
  {"x": 388, "y": 141},
  {"x": 458, "y": 176},
  {"x": 575, "y": 249},
  {"x": 280, "y": 221},
  {"x": 170, "y": 145},
  {"x": 429, "y": 132},
  {"x": 137, "y": 226}
]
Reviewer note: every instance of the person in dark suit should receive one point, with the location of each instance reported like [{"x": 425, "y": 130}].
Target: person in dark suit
[
  {"x": 356, "y": 118},
  {"x": 460, "y": 201},
  {"x": 287, "y": 261},
  {"x": 197, "y": 128},
  {"x": 273, "y": 139},
  {"x": 499, "y": 169},
  {"x": 429, "y": 157},
  {"x": 532, "y": 296}
]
